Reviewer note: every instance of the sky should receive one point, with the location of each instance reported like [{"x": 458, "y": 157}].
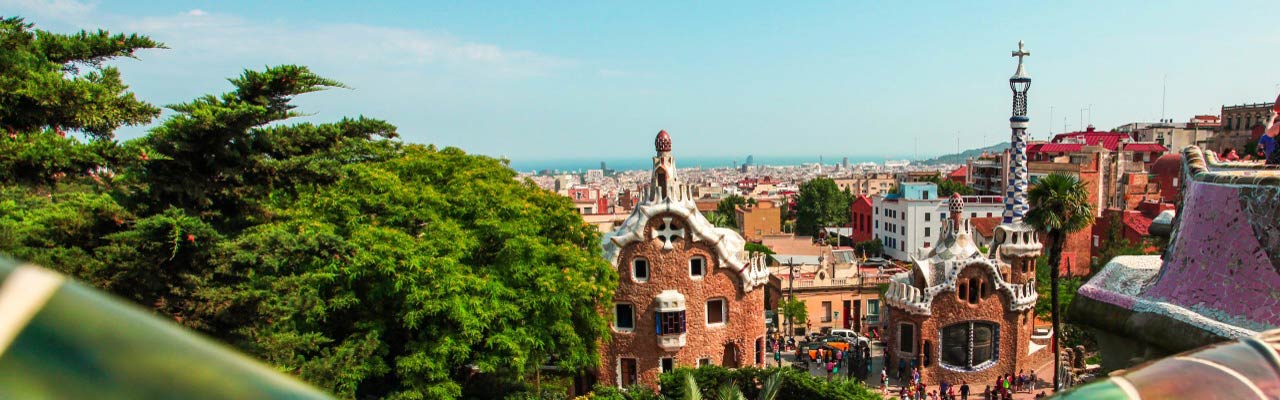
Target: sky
[{"x": 543, "y": 80}]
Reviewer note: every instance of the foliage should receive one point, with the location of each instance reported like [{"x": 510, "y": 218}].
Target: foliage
[
  {"x": 719, "y": 220},
  {"x": 820, "y": 203},
  {"x": 794, "y": 311},
  {"x": 366, "y": 267},
  {"x": 947, "y": 187},
  {"x": 752, "y": 382},
  {"x": 1066, "y": 290},
  {"x": 871, "y": 248},
  {"x": 1059, "y": 206},
  {"x": 42, "y": 86},
  {"x": 728, "y": 208}
]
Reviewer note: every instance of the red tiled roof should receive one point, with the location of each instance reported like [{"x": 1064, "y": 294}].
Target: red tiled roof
[
  {"x": 1137, "y": 223},
  {"x": 961, "y": 172},
  {"x": 985, "y": 226},
  {"x": 1056, "y": 148},
  {"x": 1108, "y": 140},
  {"x": 1145, "y": 147}
]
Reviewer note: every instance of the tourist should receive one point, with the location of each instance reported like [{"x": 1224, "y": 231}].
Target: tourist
[
  {"x": 919, "y": 390},
  {"x": 986, "y": 393},
  {"x": 1230, "y": 154},
  {"x": 1032, "y": 378},
  {"x": 884, "y": 377},
  {"x": 1267, "y": 143},
  {"x": 933, "y": 395},
  {"x": 964, "y": 390},
  {"x": 951, "y": 393},
  {"x": 902, "y": 369}
]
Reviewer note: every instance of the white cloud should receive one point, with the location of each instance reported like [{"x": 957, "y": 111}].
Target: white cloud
[{"x": 211, "y": 35}]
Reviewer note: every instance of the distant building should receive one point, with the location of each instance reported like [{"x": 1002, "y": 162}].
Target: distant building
[
  {"x": 1114, "y": 169},
  {"x": 836, "y": 291},
  {"x": 1239, "y": 125},
  {"x": 861, "y": 219},
  {"x": 688, "y": 294},
  {"x": 868, "y": 184},
  {"x": 988, "y": 174},
  {"x": 1173, "y": 135},
  {"x": 911, "y": 223},
  {"x": 588, "y": 201},
  {"x": 759, "y": 220}
]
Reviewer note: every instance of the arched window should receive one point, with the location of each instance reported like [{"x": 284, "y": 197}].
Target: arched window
[{"x": 970, "y": 345}]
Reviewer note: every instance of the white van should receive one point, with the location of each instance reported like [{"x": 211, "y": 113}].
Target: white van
[{"x": 848, "y": 335}]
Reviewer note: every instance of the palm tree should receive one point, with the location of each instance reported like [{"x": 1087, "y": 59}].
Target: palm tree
[
  {"x": 730, "y": 392},
  {"x": 1059, "y": 206}
]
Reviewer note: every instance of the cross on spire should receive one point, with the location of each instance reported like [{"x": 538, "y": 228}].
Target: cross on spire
[{"x": 1022, "y": 52}]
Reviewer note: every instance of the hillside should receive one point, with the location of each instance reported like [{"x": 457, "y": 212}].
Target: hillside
[{"x": 963, "y": 156}]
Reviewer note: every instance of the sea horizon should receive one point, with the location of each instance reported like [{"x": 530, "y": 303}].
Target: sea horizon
[{"x": 644, "y": 163}]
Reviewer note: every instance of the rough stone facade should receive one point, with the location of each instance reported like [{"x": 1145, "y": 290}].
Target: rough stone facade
[
  {"x": 669, "y": 269},
  {"x": 687, "y": 264},
  {"x": 1013, "y": 352}
]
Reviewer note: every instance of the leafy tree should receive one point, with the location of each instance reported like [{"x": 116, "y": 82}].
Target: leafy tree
[
  {"x": 42, "y": 86},
  {"x": 719, "y": 220},
  {"x": 1059, "y": 206},
  {"x": 873, "y": 247},
  {"x": 794, "y": 311},
  {"x": 728, "y": 208},
  {"x": 947, "y": 187},
  {"x": 367, "y": 267},
  {"x": 820, "y": 203}
]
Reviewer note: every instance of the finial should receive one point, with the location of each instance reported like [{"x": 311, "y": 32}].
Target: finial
[
  {"x": 663, "y": 142},
  {"x": 1022, "y": 52}
]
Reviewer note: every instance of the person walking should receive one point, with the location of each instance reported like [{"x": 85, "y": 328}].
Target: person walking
[{"x": 964, "y": 390}]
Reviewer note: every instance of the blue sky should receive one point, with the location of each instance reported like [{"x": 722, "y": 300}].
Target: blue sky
[{"x": 543, "y": 80}]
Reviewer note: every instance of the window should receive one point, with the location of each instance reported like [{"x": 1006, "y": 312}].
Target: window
[
  {"x": 877, "y": 224},
  {"x": 926, "y": 195},
  {"x": 670, "y": 323},
  {"x": 627, "y": 372},
  {"x": 942, "y": 216},
  {"x": 1095, "y": 240},
  {"x": 716, "y": 312},
  {"x": 973, "y": 215},
  {"x": 973, "y": 294},
  {"x": 988, "y": 215},
  {"x": 873, "y": 311},
  {"x": 926, "y": 230},
  {"x": 970, "y": 344},
  {"x": 826, "y": 311},
  {"x": 927, "y": 216},
  {"x": 668, "y": 364},
  {"x": 903, "y": 229},
  {"x": 906, "y": 338},
  {"x": 624, "y": 317},
  {"x": 640, "y": 270},
  {"x": 704, "y": 362},
  {"x": 697, "y": 267}
]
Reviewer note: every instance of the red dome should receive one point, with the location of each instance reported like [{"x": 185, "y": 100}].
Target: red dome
[
  {"x": 663, "y": 142},
  {"x": 1167, "y": 165}
]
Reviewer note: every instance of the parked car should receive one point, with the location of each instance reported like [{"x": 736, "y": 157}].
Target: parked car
[{"x": 850, "y": 336}]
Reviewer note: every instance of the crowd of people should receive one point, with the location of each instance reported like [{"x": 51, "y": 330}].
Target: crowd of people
[{"x": 1003, "y": 389}]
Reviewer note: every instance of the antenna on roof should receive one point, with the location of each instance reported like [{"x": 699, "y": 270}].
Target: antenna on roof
[{"x": 1164, "y": 94}]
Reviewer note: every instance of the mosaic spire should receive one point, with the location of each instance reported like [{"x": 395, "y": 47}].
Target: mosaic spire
[{"x": 1015, "y": 194}]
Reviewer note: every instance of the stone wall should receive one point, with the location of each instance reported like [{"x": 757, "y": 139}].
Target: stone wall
[{"x": 669, "y": 270}]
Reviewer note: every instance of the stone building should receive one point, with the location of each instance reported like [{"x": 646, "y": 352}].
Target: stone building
[
  {"x": 963, "y": 315},
  {"x": 1239, "y": 125},
  {"x": 687, "y": 293}
]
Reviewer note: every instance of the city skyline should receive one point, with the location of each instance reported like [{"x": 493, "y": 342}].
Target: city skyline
[{"x": 536, "y": 82}]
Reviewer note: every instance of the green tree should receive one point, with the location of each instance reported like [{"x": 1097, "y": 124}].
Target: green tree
[
  {"x": 728, "y": 208},
  {"x": 871, "y": 248},
  {"x": 820, "y": 203},
  {"x": 1059, "y": 206},
  {"x": 947, "y": 187},
  {"x": 794, "y": 311},
  {"x": 367, "y": 267},
  {"x": 42, "y": 85}
]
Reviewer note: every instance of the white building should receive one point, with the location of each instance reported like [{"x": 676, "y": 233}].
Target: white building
[{"x": 910, "y": 224}]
